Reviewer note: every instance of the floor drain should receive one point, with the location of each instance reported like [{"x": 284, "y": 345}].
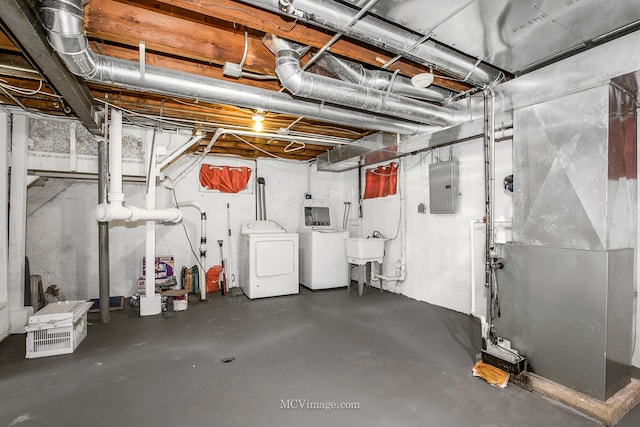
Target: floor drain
[{"x": 228, "y": 359}]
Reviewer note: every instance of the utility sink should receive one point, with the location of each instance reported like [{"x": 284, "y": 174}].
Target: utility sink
[{"x": 361, "y": 250}]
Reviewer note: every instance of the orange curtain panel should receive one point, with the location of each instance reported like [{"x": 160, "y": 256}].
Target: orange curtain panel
[
  {"x": 226, "y": 179},
  {"x": 381, "y": 181}
]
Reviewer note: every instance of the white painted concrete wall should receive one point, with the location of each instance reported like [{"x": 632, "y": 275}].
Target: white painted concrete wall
[
  {"x": 438, "y": 255},
  {"x": 62, "y": 235}
]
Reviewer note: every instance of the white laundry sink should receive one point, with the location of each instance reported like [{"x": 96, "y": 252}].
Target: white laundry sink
[{"x": 361, "y": 250}]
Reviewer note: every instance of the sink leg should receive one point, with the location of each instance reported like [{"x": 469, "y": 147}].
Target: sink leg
[{"x": 361, "y": 277}]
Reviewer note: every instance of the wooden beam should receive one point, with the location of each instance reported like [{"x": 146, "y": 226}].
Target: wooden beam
[
  {"x": 271, "y": 23},
  {"x": 6, "y": 43},
  {"x": 111, "y": 20},
  {"x": 40, "y": 101},
  {"x": 127, "y": 24},
  {"x": 608, "y": 413},
  {"x": 15, "y": 65}
]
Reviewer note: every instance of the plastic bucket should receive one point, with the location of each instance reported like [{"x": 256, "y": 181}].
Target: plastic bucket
[{"x": 180, "y": 303}]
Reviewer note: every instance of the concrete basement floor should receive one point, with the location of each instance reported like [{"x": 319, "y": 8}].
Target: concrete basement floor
[{"x": 406, "y": 363}]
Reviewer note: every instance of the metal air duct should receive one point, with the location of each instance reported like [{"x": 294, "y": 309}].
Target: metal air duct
[
  {"x": 336, "y": 16},
  {"x": 381, "y": 79},
  {"x": 64, "y": 23},
  {"x": 302, "y": 83},
  {"x": 261, "y": 206}
]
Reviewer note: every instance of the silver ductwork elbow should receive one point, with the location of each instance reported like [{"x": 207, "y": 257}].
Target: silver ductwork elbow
[
  {"x": 64, "y": 23},
  {"x": 322, "y": 88}
]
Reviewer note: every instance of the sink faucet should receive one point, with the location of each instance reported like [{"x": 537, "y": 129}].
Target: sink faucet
[{"x": 377, "y": 234}]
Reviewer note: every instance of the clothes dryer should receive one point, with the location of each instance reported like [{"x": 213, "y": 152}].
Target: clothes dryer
[{"x": 268, "y": 258}]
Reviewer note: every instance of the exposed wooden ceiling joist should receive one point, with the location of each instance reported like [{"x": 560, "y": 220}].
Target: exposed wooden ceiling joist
[{"x": 199, "y": 38}]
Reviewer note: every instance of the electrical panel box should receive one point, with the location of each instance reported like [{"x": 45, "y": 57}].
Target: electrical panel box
[{"x": 443, "y": 187}]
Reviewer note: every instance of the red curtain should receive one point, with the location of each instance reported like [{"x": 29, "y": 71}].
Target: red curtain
[
  {"x": 226, "y": 179},
  {"x": 381, "y": 181}
]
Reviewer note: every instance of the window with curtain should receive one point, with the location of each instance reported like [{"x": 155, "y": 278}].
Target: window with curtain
[
  {"x": 381, "y": 181},
  {"x": 226, "y": 179}
]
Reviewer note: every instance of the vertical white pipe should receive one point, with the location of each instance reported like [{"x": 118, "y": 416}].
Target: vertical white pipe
[
  {"x": 229, "y": 264},
  {"x": 150, "y": 304},
  {"x": 403, "y": 226},
  {"x": 18, "y": 226},
  {"x": 203, "y": 255},
  {"x": 203, "y": 245},
  {"x": 115, "y": 158},
  {"x": 5, "y": 141},
  {"x": 472, "y": 250}
]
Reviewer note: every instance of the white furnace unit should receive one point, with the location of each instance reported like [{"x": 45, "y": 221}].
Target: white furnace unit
[
  {"x": 268, "y": 260},
  {"x": 323, "y": 257}
]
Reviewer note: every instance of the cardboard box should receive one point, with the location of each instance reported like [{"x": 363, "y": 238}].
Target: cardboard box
[{"x": 164, "y": 267}]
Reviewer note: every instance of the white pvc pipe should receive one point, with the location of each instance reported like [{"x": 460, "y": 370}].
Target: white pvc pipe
[
  {"x": 203, "y": 244},
  {"x": 115, "y": 157},
  {"x": 106, "y": 212},
  {"x": 403, "y": 227},
  {"x": 193, "y": 204},
  {"x": 472, "y": 247},
  {"x": 115, "y": 208},
  {"x": 198, "y": 159},
  {"x": 399, "y": 277},
  {"x": 151, "y": 302},
  {"x": 401, "y": 269},
  {"x": 171, "y": 157}
]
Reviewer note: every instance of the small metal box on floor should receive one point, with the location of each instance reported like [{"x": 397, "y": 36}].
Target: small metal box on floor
[{"x": 58, "y": 328}]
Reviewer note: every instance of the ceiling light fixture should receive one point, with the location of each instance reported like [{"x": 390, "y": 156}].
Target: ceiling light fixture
[
  {"x": 422, "y": 80},
  {"x": 257, "y": 118}
]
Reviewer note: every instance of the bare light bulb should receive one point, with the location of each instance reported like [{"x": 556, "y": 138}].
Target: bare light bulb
[{"x": 257, "y": 118}]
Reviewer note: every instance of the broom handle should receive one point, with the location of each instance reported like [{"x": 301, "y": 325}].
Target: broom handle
[{"x": 224, "y": 269}]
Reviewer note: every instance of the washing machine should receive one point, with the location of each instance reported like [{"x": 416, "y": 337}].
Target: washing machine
[
  {"x": 268, "y": 257},
  {"x": 323, "y": 258}
]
